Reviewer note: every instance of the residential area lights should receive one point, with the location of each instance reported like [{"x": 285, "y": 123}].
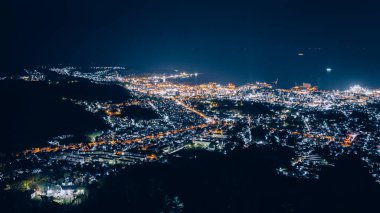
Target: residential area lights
[{"x": 214, "y": 117}]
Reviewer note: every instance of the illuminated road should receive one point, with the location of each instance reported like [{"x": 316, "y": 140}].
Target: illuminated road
[
  {"x": 191, "y": 109},
  {"x": 88, "y": 146}
]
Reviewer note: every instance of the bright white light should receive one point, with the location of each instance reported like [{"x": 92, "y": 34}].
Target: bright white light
[
  {"x": 328, "y": 69},
  {"x": 358, "y": 89}
]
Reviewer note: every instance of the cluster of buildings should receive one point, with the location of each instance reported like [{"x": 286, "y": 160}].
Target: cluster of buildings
[{"x": 319, "y": 126}]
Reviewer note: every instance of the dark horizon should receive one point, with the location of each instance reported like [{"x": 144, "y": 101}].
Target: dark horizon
[
  {"x": 147, "y": 121},
  {"x": 238, "y": 42}
]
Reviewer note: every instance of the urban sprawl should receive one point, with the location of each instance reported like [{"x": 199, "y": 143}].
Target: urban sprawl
[{"x": 318, "y": 126}]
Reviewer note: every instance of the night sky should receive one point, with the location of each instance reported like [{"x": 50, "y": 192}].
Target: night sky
[{"x": 235, "y": 41}]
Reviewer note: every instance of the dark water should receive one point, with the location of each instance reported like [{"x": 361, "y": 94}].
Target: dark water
[
  {"x": 338, "y": 79},
  {"x": 34, "y": 112}
]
